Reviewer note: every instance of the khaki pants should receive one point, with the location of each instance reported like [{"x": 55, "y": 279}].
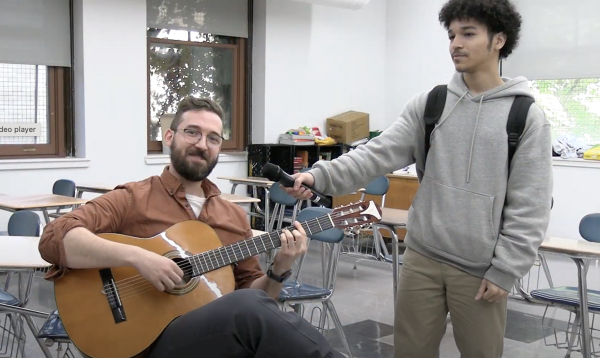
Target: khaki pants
[{"x": 427, "y": 291}]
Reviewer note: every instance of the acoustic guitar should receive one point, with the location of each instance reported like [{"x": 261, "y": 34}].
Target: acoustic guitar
[{"x": 116, "y": 313}]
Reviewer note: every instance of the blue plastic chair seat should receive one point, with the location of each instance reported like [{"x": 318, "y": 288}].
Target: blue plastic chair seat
[
  {"x": 53, "y": 328},
  {"x": 8, "y": 299},
  {"x": 567, "y": 296},
  {"x": 296, "y": 290}
]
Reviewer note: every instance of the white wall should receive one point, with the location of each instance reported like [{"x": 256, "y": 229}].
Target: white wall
[
  {"x": 575, "y": 195},
  {"x": 417, "y": 56},
  {"x": 317, "y": 61}
]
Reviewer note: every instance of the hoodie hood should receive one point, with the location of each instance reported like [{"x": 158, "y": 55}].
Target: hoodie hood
[{"x": 517, "y": 86}]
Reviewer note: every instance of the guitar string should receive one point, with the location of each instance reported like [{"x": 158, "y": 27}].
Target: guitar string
[
  {"x": 131, "y": 286},
  {"x": 207, "y": 257},
  {"x": 145, "y": 287}
]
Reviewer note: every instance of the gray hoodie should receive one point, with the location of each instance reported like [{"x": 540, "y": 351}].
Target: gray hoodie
[{"x": 467, "y": 212}]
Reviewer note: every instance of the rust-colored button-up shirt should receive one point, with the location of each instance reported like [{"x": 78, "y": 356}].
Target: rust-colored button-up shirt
[{"x": 145, "y": 209}]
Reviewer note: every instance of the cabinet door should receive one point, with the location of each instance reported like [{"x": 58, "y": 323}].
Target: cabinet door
[{"x": 401, "y": 193}]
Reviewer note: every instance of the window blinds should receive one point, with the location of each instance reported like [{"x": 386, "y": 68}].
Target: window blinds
[
  {"x": 217, "y": 17},
  {"x": 35, "y": 32},
  {"x": 560, "y": 40}
]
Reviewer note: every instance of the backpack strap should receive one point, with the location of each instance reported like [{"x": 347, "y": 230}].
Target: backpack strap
[
  {"x": 436, "y": 101},
  {"x": 517, "y": 118}
]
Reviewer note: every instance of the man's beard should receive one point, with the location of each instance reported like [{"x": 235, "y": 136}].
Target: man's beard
[{"x": 188, "y": 170}]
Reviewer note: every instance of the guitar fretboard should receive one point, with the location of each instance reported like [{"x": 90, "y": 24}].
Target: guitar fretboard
[{"x": 227, "y": 255}]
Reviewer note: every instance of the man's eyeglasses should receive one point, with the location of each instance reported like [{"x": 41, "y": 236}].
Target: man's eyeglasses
[{"x": 194, "y": 136}]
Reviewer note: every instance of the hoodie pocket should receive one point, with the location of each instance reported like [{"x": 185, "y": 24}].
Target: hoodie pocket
[{"x": 454, "y": 223}]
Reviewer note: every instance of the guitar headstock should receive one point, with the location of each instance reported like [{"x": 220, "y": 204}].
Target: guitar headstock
[{"x": 356, "y": 215}]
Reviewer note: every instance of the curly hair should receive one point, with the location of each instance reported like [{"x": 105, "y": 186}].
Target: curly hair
[{"x": 497, "y": 15}]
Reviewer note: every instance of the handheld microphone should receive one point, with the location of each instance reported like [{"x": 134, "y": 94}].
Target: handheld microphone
[{"x": 274, "y": 173}]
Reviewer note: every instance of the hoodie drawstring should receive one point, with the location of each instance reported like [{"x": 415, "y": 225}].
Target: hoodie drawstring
[{"x": 473, "y": 140}]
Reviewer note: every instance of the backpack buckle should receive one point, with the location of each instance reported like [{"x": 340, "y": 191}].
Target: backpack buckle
[{"x": 513, "y": 139}]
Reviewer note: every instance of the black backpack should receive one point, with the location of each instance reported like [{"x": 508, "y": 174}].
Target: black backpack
[{"x": 517, "y": 117}]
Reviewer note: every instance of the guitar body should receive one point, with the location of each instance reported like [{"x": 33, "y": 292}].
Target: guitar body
[{"x": 98, "y": 332}]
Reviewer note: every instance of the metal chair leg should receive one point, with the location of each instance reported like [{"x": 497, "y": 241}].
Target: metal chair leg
[
  {"x": 574, "y": 334},
  {"x": 338, "y": 325}
]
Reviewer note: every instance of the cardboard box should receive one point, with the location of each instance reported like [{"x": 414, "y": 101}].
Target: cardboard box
[{"x": 348, "y": 127}]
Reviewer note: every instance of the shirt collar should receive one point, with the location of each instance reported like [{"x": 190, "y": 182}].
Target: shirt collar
[{"x": 172, "y": 184}]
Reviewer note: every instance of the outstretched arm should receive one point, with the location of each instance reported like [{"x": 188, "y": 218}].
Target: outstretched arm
[{"x": 391, "y": 150}]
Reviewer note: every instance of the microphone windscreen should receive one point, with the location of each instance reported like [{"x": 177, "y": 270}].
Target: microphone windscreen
[{"x": 271, "y": 172}]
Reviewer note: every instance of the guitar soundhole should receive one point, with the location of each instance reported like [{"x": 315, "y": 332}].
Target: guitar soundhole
[{"x": 186, "y": 268}]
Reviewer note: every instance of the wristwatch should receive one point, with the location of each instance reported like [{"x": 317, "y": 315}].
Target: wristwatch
[{"x": 284, "y": 276}]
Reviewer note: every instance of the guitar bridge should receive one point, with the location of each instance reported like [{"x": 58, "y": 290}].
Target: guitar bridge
[{"x": 112, "y": 295}]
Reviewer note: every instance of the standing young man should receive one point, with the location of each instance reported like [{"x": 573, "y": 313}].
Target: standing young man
[{"x": 472, "y": 228}]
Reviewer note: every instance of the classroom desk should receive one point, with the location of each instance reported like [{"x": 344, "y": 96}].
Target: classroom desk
[
  {"x": 20, "y": 254},
  {"x": 579, "y": 251},
  {"x": 254, "y": 182},
  {"x": 42, "y": 202},
  {"x": 93, "y": 188},
  {"x": 239, "y": 199}
]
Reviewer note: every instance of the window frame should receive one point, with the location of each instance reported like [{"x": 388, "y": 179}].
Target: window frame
[
  {"x": 58, "y": 82},
  {"x": 239, "y": 117}
]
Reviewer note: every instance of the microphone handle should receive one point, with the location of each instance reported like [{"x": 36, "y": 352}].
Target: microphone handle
[
  {"x": 287, "y": 180},
  {"x": 318, "y": 198}
]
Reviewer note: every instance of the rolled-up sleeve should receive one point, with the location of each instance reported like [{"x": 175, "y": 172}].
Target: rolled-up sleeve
[{"x": 100, "y": 215}]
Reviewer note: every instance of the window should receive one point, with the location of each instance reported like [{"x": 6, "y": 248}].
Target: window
[
  {"x": 183, "y": 63},
  {"x": 34, "y": 94},
  {"x": 35, "y": 78},
  {"x": 572, "y": 106}
]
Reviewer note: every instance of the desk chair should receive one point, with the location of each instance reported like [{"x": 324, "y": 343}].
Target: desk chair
[
  {"x": 64, "y": 187},
  {"x": 12, "y": 333},
  {"x": 566, "y": 297},
  {"x": 282, "y": 200},
  {"x": 24, "y": 223},
  {"x": 378, "y": 187},
  {"x": 52, "y": 323},
  {"x": 52, "y": 332},
  {"x": 295, "y": 293}
]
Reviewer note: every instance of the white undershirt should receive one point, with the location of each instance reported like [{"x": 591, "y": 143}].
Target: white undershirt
[{"x": 196, "y": 202}]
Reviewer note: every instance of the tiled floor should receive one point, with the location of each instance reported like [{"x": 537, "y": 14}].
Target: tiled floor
[{"x": 363, "y": 300}]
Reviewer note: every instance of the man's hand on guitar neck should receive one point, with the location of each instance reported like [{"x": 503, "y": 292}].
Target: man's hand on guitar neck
[{"x": 293, "y": 245}]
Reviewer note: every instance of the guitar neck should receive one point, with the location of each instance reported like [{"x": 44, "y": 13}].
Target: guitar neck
[{"x": 227, "y": 255}]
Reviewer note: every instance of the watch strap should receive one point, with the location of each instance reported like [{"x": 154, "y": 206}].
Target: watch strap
[{"x": 284, "y": 276}]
